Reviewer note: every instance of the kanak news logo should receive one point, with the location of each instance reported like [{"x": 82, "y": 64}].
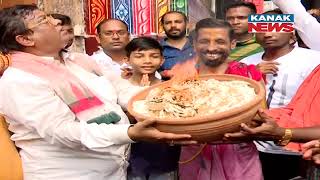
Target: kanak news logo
[{"x": 261, "y": 23}]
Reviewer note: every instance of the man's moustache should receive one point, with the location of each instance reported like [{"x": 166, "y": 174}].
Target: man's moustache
[
  {"x": 174, "y": 30},
  {"x": 215, "y": 52}
]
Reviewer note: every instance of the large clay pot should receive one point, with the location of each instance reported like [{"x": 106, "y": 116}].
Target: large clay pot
[
  {"x": 210, "y": 127},
  {"x": 5, "y": 61}
]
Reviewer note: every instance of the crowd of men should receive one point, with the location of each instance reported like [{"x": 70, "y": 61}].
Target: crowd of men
[{"x": 50, "y": 94}]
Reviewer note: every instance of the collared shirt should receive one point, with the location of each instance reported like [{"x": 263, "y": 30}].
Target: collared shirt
[
  {"x": 245, "y": 49},
  {"x": 307, "y": 26},
  {"x": 54, "y": 144},
  {"x": 107, "y": 63},
  {"x": 173, "y": 55}
]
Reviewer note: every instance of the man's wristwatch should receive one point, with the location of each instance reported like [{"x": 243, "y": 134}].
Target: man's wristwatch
[{"x": 285, "y": 138}]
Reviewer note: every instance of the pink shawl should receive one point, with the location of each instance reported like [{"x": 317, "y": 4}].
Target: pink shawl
[{"x": 65, "y": 84}]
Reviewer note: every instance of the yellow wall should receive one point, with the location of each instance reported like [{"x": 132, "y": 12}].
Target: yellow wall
[{"x": 8, "y": 3}]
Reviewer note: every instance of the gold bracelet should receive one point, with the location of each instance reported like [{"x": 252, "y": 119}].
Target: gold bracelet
[{"x": 285, "y": 138}]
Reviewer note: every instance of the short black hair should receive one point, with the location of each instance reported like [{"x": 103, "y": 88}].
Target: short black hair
[
  {"x": 12, "y": 24},
  {"x": 240, "y": 3},
  {"x": 214, "y": 23},
  {"x": 143, "y": 43},
  {"x": 173, "y": 12},
  {"x": 107, "y": 20},
  {"x": 65, "y": 20}
]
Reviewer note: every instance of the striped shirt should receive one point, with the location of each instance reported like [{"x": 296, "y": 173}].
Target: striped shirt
[
  {"x": 293, "y": 69},
  {"x": 245, "y": 49}
]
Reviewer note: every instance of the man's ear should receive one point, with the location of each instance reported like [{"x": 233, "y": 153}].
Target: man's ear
[
  {"x": 25, "y": 40},
  {"x": 162, "y": 61},
  {"x": 233, "y": 43},
  {"x": 293, "y": 38},
  {"x": 98, "y": 39},
  {"x": 126, "y": 60}
]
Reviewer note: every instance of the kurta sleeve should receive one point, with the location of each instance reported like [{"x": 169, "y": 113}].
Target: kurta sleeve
[
  {"x": 36, "y": 107},
  {"x": 103, "y": 70},
  {"x": 308, "y": 27}
]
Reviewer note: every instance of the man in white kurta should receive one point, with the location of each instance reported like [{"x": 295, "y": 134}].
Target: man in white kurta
[
  {"x": 51, "y": 137},
  {"x": 54, "y": 144}
]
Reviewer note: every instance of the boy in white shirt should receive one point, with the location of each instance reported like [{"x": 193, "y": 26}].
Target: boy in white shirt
[{"x": 145, "y": 57}]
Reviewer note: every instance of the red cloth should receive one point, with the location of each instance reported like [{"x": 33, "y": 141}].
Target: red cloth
[
  {"x": 244, "y": 70},
  {"x": 304, "y": 108}
]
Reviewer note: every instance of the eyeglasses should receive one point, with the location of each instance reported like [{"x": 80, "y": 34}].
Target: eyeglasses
[
  {"x": 45, "y": 19},
  {"x": 119, "y": 33}
]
